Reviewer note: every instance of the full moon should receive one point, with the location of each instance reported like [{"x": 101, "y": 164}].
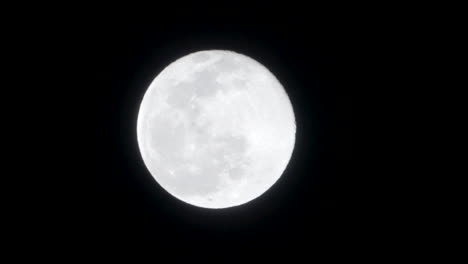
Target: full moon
[{"x": 216, "y": 129}]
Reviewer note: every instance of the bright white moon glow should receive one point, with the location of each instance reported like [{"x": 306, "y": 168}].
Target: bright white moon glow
[{"x": 216, "y": 129}]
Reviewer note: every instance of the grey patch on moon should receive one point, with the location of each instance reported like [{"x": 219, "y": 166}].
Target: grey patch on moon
[
  {"x": 227, "y": 64},
  {"x": 240, "y": 83},
  {"x": 184, "y": 93},
  {"x": 206, "y": 85},
  {"x": 168, "y": 136},
  {"x": 200, "y": 57},
  {"x": 180, "y": 95}
]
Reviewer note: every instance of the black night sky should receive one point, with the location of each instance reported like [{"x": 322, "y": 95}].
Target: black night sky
[
  {"x": 337, "y": 70},
  {"x": 328, "y": 191}
]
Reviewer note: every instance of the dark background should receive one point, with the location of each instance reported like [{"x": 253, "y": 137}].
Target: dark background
[
  {"x": 340, "y": 68},
  {"x": 366, "y": 84},
  {"x": 332, "y": 191}
]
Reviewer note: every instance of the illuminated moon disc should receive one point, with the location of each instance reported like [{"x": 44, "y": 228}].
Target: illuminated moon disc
[{"x": 216, "y": 129}]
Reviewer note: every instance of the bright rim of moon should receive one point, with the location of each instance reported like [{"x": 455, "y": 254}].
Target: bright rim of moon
[{"x": 216, "y": 129}]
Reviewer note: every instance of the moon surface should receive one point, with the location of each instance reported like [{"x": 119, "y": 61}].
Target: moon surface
[{"x": 216, "y": 129}]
